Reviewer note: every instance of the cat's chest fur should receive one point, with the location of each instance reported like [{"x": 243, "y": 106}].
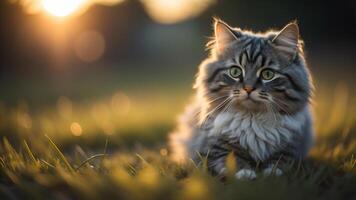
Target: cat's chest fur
[{"x": 261, "y": 134}]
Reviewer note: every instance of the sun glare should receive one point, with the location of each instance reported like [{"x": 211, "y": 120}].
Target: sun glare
[
  {"x": 161, "y": 11},
  {"x": 61, "y": 8},
  {"x": 173, "y": 11}
]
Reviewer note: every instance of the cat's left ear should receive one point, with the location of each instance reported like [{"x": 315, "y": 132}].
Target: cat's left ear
[
  {"x": 287, "y": 41},
  {"x": 224, "y": 35}
]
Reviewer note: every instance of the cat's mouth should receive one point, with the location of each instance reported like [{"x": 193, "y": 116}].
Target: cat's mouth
[{"x": 250, "y": 103}]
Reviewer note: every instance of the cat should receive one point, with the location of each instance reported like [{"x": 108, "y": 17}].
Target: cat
[{"x": 253, "y": 98}]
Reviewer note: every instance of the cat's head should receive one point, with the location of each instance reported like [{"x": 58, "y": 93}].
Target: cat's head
[{"x": 257, "y": 72}]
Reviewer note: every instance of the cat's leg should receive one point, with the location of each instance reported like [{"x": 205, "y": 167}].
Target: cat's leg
[
  {"x": 246, "y": 174},
  {"x": 272, "y": 170},
  {"x": 245, "y": 163},
  {"x": 275, "y": 165},
  {"x": 217, "y": 165},
  {"x": 216, "y": 160},
  {"x": 294, "y": 152},
  {"x": 246, "y": 170}
]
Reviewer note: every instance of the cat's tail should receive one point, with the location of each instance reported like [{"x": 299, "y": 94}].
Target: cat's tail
[{"x": 179, "y": 140}]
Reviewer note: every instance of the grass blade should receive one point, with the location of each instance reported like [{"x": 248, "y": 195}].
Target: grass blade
[
  {"x": 29, "y": 152},
  {"x": 47, "y": 163},
  {"x": 88, "y": 160},
  {"x": 60, "y": 154},
  {"x": 106, "y": 145},
  {"x": 2, "y": 162},
  {"x": 142, "y": 159}
]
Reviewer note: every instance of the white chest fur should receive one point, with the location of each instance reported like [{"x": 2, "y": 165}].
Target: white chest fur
[{"x": 261, "y": 134}]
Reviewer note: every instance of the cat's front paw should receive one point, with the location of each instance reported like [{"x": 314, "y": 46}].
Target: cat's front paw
[
  {"x": 271, "y": 171},
  {"x": 246, "y": 174},
  {"x": 222, "y": 172}
]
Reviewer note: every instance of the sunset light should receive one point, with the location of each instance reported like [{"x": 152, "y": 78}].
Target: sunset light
[
  {"x": 177, "y": 100},
  {"x": 62, "y": 8},
  {"x": 174, "y": 11}
]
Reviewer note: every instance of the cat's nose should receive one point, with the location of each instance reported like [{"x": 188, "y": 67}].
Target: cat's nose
[{"x": 248, "y": 88}]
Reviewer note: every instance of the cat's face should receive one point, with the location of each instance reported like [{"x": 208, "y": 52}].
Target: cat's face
[
  {"x": 256, "y": 72},
  {"x": 252, "y": 83}
]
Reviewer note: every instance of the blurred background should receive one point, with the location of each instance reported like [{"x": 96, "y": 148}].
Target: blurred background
[{"x": 82, "y": 71}]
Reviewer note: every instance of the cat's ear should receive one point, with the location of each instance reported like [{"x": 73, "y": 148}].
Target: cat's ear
[
  {"x": 224, "y": 35},
  {"x": 287, "y": 41}
]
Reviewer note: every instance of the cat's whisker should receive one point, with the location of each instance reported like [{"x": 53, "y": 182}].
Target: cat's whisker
[
  {"x": 226, "y": 106},
  {"x": 236, "y": 92},
  {"x": 263, "y": 97},
  {"x": 280, "y": 106},
  {"x": 214, "y": 100},
  {"x": 210, "y": 102},
  {"x": 229, "y": 105},
  {"x": 206, "y": 117},
  {"x": 218, "y": 106}
]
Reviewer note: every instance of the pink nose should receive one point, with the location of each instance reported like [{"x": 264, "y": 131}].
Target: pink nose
[{"x": 248, "y": 89}]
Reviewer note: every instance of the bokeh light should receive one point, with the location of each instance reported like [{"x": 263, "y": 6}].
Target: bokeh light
[
  {"x": 89, "y": 46},
  {"x": 22, "y": 115},
  {"x": 173, "y": 11},
  {"x": 61, "y": 8},
  {"x": 120, "y": 103},
  {"x": 148, "y": 177},
  {"x": 24, "y": 120},
  {"x": 76, "y": 129},
  {"x": 163, "y": 152},
  {"x": 162, "y": 11},
  {"x": 195, "y": 188}
]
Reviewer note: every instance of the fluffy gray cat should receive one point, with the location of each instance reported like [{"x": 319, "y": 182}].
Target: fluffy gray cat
[{"x": 253, "y": 99}]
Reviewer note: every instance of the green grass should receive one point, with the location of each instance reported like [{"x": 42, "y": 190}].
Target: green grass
[
  {"x": 149, "y": 174},
  {"x": 113, "y": 147}
]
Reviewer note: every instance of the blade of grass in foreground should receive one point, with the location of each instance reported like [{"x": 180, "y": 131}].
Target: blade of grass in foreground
[
  {"x": 88, "y": 160},
  {"x": 29, "y": 152},
  {"x": 48, "y": 164},
  {"x": 60, "y": 154}
]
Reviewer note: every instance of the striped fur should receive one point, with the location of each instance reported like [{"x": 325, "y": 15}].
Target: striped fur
[{"x": 259, "y": 119}]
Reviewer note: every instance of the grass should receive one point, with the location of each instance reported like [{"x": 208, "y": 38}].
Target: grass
[{"x": 114, "y": 148}]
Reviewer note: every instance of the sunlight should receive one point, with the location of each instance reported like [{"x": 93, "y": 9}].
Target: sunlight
[
  {"x": 173, "y": 11},
  {"x": 61, "y": 8},
  {"x": 161, "y": 11}
]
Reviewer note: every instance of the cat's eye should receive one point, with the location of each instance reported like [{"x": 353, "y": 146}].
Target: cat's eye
[
  {"x": 235, "y": 72},
  {"x": 267, "y": 74}
]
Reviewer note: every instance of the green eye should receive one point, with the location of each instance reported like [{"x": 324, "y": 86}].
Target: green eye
[
  {"x": 267, "y": 74},
  {"x": 235, "y": 71}
]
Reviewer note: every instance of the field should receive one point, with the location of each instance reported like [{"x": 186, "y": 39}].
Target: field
[{"x": 114, "y": 147}]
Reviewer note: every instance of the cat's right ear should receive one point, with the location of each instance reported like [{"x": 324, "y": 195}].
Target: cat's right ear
[
  {"x": 224, "y": 35},
  {"x": 287, "y": 41}
]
